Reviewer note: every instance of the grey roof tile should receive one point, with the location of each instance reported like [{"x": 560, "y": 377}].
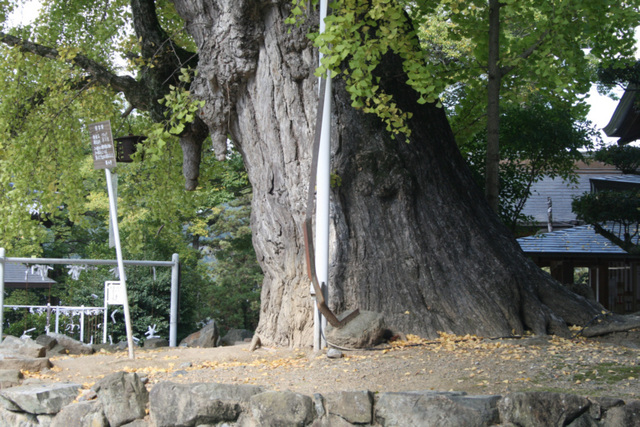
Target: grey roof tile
[
  {"x": 576, "y": 240},
  {"x": 15, "y": 273}
]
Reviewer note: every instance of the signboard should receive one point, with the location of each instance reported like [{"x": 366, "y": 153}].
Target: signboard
[
  {"x": 114, "y": 293},
  {"x": 104, "y": 156}
]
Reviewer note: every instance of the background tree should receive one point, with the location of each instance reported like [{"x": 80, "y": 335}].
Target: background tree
[
  {"x": 625, "y": 158},
  {"x": 129, "y": 62},
  {"x": 74, "y": 75},
  {"x": 614, "y": 214},
  {"x": 509, "y": 49},
  {"x": 539, "y": 139}
]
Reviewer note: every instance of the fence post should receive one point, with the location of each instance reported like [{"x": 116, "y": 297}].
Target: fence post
[
  {"x": 104, "y": 317},
  {"x": 48, "y": 327},
  {"x": 82, "y": 324},
  {"x": 173, "y": 316},
  {"x": 57, "y": 320}
]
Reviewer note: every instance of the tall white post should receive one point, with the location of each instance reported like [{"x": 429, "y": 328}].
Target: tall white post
[
  {"x": 123, "y": 278},
  {"x": 104, "y": 317},
  {"x": 173, "y": 317},
  {"x": 82, "y": 324},
  {"x": 322, "y": 202}
]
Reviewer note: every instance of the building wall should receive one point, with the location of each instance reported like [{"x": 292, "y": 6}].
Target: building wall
[{"x": 562, "y": 194}]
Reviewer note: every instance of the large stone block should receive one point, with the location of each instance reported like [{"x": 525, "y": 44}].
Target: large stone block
[
  {"x": 81, "y": 414},
  {"x": 40, "y": 398},
  {"x": 282, "y": 409},
  {"x": 172, "y": 404},
  {"x": 25, "y": 364},
  {"x": 365, "y": 330},
  {"x": 20, "y": 419},
  {"x": 205, "y": 337},
  {"x": 541, "y": 408},
  {"x": 70, "y": 345},
  {"x": 437, "y": 409},
  {"x": 626, "y": 415},
  {"x": 24, "y": 347},
  {"x": 123, "y": 396},
  {"x": 10, "y": 378},
  {"x": 355, "y": 407}
]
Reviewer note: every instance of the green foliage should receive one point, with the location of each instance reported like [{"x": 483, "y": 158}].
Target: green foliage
[
  {"x": 538, "y": 140},
  {"x": 615, "y": 214},
  {"x": 45, "y": 154},
  {"x": 223, "y": 234},
  {"x": 359, "y": 34},
  {"x": 234, "y": 298},
  {"x": 625, "y": 158},
  {"x": 19, "y": 320},
  {"x": 52, "y": 201},
  {"x": 180, "y": 111},
  {"x": 617, "y": 75},
  {"x": 546, "y": 47}
]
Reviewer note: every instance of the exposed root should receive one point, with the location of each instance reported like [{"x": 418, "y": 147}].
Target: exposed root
[{"x": 610, "y": 324}]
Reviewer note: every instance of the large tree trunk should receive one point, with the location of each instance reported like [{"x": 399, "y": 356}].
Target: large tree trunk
[{"x": 412, "y": 237}]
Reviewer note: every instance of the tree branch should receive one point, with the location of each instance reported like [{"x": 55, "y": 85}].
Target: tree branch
[
  {"x": 526, "y": 53},
  {"x": 133, "y": 91}
]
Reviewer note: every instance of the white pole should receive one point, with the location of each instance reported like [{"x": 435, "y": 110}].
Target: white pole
[
  {"x": 123, "y": 277},
  {"x": 57, "y": 320},
  {"x": 173, "y": 317},
  {"x": 322, "y": 201},
  {"x": 82, "y": 325},
  {"x": 48, "y": 326},
  {"x": 104, "y": 317},
  {"x": 1, "y": 292}
]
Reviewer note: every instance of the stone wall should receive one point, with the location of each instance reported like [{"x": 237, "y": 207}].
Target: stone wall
[{"x": 121, "y": 399}]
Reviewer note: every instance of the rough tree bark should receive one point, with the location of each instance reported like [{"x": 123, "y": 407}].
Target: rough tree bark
[{"x": 413, "y": 237}]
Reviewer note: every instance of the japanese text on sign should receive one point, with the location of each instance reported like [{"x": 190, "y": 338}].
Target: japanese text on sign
[{"x": 104, "y": 156}]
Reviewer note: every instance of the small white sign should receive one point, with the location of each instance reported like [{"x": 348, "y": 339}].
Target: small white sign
[{"x": 114, "y": 292}]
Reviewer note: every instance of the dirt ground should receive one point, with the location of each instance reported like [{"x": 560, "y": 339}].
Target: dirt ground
[{"x": 470, "y": 364}]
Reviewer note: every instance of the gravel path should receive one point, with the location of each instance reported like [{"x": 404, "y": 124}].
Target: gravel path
[{"x": 468, "y": 364}]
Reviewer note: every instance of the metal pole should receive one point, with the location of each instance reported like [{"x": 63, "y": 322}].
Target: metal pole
[
  {"x": 1, "y": 292},
  {"x": 48, "y": 327},
  {"x": 104, "y": 317},
  {"x": 123, "y": 277},
  {"x": 82, "y": 325},
  {"x": 173, "y": 318},
  {"x": 57, "y": 320},
  {"x": 79, "y": 261},
  {"x": 322, "y": 201}
]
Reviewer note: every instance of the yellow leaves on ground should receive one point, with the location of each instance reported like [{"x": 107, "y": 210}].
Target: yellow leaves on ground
[{"x": 465, "y": 362}]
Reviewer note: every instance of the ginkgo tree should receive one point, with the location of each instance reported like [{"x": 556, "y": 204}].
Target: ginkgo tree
[{"x": 413, "y": 238}]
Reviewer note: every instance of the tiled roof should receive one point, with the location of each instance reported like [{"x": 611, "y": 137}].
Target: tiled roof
[
  {"x": 625, "y": 178},
  {"x": 15, "y": 273},
  {"x": 576, "y": 240},
  {"x": 625, "y": 121}
]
